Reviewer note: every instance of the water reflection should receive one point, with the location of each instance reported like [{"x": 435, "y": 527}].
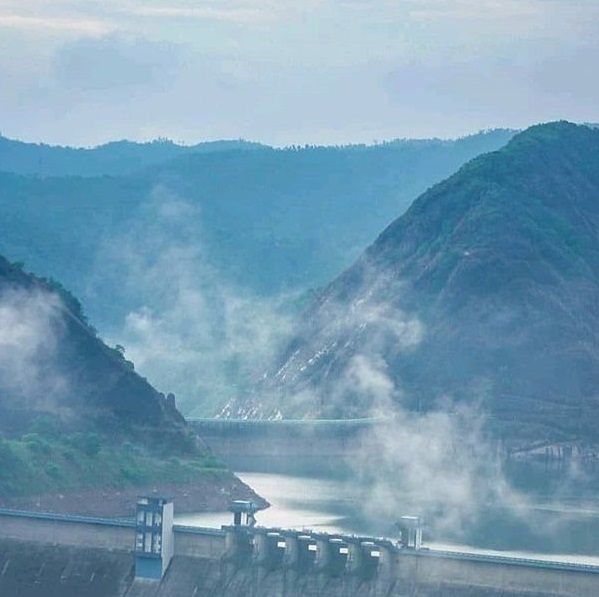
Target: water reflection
[
  {"x": 296, "y": 502},
  {"x": 564, "y": 532}
]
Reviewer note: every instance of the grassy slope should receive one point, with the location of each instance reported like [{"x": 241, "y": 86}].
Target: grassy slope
[
  {"x": 107, "y": 428},
  {"x": 34, "y": 463}
]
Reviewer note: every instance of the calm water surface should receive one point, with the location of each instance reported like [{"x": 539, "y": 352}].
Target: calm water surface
[{"x": 549, "y": 530}]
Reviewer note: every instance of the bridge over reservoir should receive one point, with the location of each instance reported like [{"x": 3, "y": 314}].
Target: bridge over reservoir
[{"x": 47, "y": 555}]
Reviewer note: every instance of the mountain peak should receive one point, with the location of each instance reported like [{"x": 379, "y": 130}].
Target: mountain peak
[
  {"x": 549, "y": 132},
  {"x": 499, "y": 265}
]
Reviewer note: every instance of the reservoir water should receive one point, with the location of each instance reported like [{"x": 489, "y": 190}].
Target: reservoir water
[{"x": 564, "y": 529}]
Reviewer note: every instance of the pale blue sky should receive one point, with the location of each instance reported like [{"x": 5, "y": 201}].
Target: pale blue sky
[{"x": 282, "y": 72}]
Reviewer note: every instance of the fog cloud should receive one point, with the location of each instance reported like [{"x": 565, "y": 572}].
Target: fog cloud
[
  {"x": 30, "y": 330},
  {"x": 440, "y": 463},
  {"x": 114, "y": 63},
  {"x": 189, "y": 329}
]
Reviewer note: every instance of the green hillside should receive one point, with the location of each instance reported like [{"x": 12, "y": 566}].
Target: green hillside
[
  {"x": 220, "y": 238},
  {"x": 74, "y": 415},
  {"x": 269, "y": 219},
  {"x": 486, "y": 290}
]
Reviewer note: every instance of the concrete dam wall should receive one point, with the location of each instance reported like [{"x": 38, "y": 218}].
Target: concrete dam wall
[
  {"x": 339, "y": 438},
  {"x": 57, "y": 556},
  {"x": 245, "y": 444}
]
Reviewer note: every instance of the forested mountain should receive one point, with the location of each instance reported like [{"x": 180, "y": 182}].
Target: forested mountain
[
  {"x": 116, "y": 158},
  {"x": 486, "y": 290},
  {"x": 54, "y": 365},
  {"x": 269, "y": 219},
  {"x": 80, "y": 430}
]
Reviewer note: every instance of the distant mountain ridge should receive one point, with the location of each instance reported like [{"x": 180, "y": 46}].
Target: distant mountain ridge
[
  {"x": 230, "y": 229},
  {"x": 271, "y": 219},
  {"x": 486, "y": 289},
  {"x": 115, "y": 159}
]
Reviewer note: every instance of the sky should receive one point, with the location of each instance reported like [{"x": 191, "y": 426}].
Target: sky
[{"x": 283, "y": 72}]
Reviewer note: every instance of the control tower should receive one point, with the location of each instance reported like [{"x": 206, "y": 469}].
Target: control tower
[{"x": 154, "y": 537}]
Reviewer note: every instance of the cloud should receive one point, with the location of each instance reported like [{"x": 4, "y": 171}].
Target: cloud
[
  {"x": 440, "y": 465},
  {"x": 235, "y": 14},
  {"x": 189, "y": 329},
  {"x": 337, "y": 366},
  {"x": 46, "y": 24},
  {"x": 472, "y": 9},
  {"x": 31, "y": 326},
  {"x": 287, "y": 73},
  {"x": 114, "y": 63},
  {"x": 78, "y": 16},
  {"x": 444, "y": 466}
]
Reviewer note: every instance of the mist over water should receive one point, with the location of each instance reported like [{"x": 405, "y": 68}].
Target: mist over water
[
  {"x": 192, "y": 330},
  {"x": 548, "y": 529},
  {"x": 187, "y": 326},
  {"x": 440, "y": 464}
]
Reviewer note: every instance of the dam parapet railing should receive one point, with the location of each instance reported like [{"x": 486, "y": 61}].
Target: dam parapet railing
[
  {"x": 231, "y": 439},
  {"x": 286, "y": 427}
]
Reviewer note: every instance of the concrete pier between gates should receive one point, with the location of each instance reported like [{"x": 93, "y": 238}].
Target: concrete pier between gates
[{"x": 47, "y": 555}]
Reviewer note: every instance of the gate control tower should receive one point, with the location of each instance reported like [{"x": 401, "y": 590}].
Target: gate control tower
[{"x": 154, "y": 537}]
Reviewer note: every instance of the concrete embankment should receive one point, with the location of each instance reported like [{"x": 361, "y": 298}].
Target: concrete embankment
[
  {"x": 245, "y": 443},
  {"x": 342, "y": 438},
  {"x": 38, "y": 570},
  {"x": 31, "y": 569},
  {"x": 50, "y": 556}
]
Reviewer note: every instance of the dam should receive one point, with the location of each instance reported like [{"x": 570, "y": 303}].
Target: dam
[
  {"x": 274, "y": 443},
  {"x": 48, "y": 555},
  {"x": 226, "y": 436}
]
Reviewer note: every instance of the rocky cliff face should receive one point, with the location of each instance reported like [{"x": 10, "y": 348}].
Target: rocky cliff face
[{"x": 486, "y": 290}]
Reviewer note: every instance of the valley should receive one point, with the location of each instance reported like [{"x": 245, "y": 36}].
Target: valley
[
  {"x": 299, "y": 299},
  {"x": 448, "y": 373}
]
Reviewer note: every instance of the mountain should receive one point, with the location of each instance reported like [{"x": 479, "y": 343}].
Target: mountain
[
  {"x": 486, "y": 290},
  {"x": 116, "y": 158},
  {"x": 182, "y": 262},
  {"x": 53, "y": 363},
  {"x": 269, "y": 219},
  {"x": 80, "y": 430}
]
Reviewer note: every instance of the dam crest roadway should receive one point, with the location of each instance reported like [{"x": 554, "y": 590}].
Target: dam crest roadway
[{"x": 48, "y": 555}]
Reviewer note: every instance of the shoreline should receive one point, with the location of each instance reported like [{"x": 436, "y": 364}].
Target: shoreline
[{"x": 213, "y": 493}]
